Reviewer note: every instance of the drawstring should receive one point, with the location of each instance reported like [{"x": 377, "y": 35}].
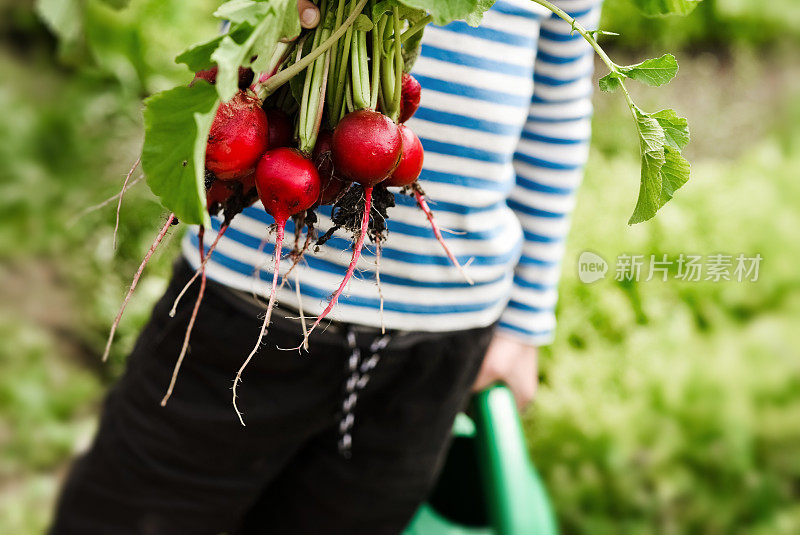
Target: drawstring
[{"x": 358, "y": 376}]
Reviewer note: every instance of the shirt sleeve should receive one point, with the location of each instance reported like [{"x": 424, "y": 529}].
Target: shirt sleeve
[{"x": 549, "y": 163}]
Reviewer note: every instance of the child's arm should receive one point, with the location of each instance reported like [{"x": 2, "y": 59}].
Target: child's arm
[{"x": 549, "y": 164}]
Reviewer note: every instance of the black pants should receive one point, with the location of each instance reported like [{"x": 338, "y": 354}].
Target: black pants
[{"x": 334, "y": 443}]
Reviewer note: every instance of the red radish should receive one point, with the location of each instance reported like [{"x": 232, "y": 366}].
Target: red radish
[
  {"x": 217, "y": 194},
  {"x": 288, "y": 183},
  {"x": 332, "y": 186},
  {"x": 238, "y": 137},
  {"x": 366, "y": 147},
  {"x": 331, "y": 189},
  {"x": 210, "y": 76},
  {"x": 410, "y": 163},
  {"x": 248, "y": 182},
  {"x": 281, "y": 130},
  {"x": 409, "y": 97}
]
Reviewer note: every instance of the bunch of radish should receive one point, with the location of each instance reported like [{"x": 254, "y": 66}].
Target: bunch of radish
[{"x": 322, "y": 123}]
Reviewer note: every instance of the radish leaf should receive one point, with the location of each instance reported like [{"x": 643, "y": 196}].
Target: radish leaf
[
  {"x": 176, "y": 124},
  {"x": 446, "y": 11},
  {"x": 653, "y": 72}
]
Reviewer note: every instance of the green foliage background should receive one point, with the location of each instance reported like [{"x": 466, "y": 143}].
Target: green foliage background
[{"x": 665, "y": 407}]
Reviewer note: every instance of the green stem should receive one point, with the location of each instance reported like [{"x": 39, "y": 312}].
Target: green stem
[
  {"x": 581, "y": 30},
  {"x": 398, "y": 64},
  {"x": 387, "y": 78},
  {"x": 314, "y": 88},
  {"x": 341, "y": 81},
  {"x": 335, "y": 55},
  {"x": 377, "y": 35},
  {"x": 416, "y": 28},
  {"x": 287, "y": 74}
]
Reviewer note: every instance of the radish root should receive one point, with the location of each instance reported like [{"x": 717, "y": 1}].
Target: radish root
[
  {"x": 267, "y": 316},
  {"x": 190, "y": 326},
  {"x": 378, "y": 280},
  {"x": 200, "y": 270},
  {"x": 423, "y": 204},
  {"x": 135, "y": 281},
  {"x": 300, "y": 309},
  {"x": 121, "y": 194},
  {"x": 351, "y": 268},
  {"x": 98, "y": 206}
]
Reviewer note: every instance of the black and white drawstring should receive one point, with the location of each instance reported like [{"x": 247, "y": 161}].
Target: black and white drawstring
[{"x": 358, "y": 370}]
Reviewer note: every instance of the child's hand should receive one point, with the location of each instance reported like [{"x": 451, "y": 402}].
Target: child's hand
[
  {"x": 512, "y": 362},
  {"x": 309, "y": 13}
]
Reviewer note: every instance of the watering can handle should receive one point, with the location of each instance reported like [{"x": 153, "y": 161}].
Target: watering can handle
[{"x": 517, "y": 500}]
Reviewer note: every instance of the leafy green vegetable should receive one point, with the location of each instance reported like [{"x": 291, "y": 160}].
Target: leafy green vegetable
[
  {"x": 662, "y": 135},
  {"x": 198, "y": 57},
  {"x": 654, "y": 8},
  {"x": 446, "y": 11},
  {"x": 272, "y": 20},
  {"x": 176, "y": 124},
  {"x": 653, "y": 72}
]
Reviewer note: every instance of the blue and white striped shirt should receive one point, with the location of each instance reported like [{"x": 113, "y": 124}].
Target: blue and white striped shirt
[{"x": 505, "y": 124}]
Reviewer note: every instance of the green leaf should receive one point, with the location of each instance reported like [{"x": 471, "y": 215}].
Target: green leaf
[
  {"x": 676, "y": 129},
  {"x": 281, "y": 20},
  {"x": 63, "y": 17},
  {"x": 651, "y": 143},
  {"x": 609, "y": 82},
  {"x": 662, "y": 135},
  {"x": 238, "y": 11},
  {"x": 198, "y": 57},
  {"x": 655, "y": 8},
  {"x": 446, "y": 11},
  {"x": 654, "y": 72},
  {"x": 362, "y": 23},
  {"x": 176, "y": 124},
  {"x": 475, "y": 17},
  {"x": 674, "y": 174}
]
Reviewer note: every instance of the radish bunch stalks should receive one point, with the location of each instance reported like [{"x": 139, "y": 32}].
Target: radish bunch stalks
[
  {"x": 135, "y": 281},
  {"x": 185, "y": 347}
]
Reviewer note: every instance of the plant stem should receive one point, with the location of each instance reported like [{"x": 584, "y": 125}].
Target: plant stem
[
  {"x": 387, "y": 78},
  {"x": 336, "y": 55},
  {"x": 398, "y": 64},
  {"x": 341, "y": 81},
  {"x": 416, "y": 28},
  {"x": 581, "y": 30},
  {"x": 377, "y": 33},
  {"x": 314, "y": 89},
  {"x": 285, "y": 75}
]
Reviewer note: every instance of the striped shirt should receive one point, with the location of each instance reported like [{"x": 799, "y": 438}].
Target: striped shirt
[{"x": 505, "y": 124}]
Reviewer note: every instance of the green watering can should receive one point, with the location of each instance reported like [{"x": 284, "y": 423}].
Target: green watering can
[{"x": 488, "y": 485}]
